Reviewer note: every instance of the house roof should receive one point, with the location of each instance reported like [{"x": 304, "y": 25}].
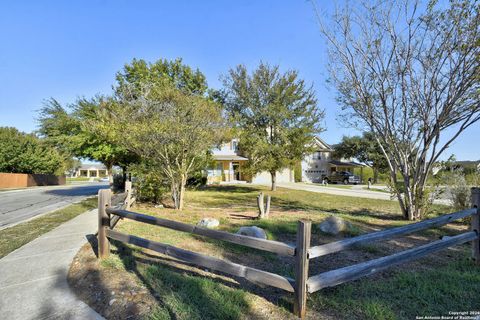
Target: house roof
[
  {"x": 322, "y": 144},
  {"x": 92, "y": 166},
  {"x": 345, "y": 163},
  {"x": 232, "y": 157}
]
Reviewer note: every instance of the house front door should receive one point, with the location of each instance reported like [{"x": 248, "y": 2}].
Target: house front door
[{"x": 236, "y": 171}]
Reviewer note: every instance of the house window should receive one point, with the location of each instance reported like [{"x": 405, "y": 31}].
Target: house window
[
  {"x": 317, "y": 155},
  {"x": 234, "y": 145}
]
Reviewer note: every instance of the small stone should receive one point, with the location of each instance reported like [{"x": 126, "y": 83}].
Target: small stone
[
  {"x": 333, "y": 225},
  {"x": 253, "y": 231},
  {"x": 159, "y": 206},
  {"x": 111, "y": 302},
  {"x": 113, "y": 293},
  {"x": 208, "y": 223}
]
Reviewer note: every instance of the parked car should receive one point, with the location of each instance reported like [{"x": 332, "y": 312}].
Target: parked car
[
  {"x": 344, "y": 177},
  {"x": 104, "y": 179}
]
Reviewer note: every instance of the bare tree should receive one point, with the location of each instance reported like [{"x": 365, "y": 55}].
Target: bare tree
[{"x": 409, "y": 73}]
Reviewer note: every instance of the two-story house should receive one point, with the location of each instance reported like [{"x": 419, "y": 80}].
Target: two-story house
[
  {"x": 321, "y": 163},
  {"x": 228, "y": 163}
]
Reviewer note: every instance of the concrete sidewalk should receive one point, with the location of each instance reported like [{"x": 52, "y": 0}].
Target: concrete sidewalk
[{"x": 33, "y": 278}]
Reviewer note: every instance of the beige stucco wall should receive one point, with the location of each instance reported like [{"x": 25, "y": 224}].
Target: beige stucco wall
[{"x": 264, "y": 177}]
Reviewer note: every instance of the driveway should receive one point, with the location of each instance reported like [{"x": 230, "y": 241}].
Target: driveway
[
  {"x": 20, "y": 205},
  {"x": 355, "y": 191}
]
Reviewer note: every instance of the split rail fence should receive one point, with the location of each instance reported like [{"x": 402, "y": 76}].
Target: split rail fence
[{"x": 301, "y": 252}]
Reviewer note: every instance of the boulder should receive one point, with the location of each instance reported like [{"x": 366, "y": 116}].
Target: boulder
[
  {"x": 208, "y": 223},
  {"x": 333, "y": 225},
  {"x": 252, "y": 232}
]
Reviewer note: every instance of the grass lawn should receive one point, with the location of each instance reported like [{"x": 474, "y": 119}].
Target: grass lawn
[
  {"x": 167, "y": 289},
  {"x": 14, "y": 237}
]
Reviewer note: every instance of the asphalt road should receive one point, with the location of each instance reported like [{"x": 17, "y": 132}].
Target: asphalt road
[{"x": 20, "y": 205}]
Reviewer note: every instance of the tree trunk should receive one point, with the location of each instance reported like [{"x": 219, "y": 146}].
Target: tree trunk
[
  {"x": 375, "y": 175},
  {"x": 175, "y": 192},
  {"x": 409, "y": 199},
  {"x": 274, "y": 180},
  {"x": 181, "y": 194},
  {"x": 178, "y": 192}
]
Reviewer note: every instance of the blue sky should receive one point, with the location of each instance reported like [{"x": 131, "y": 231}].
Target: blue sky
[{"x": 67, "y": 49}]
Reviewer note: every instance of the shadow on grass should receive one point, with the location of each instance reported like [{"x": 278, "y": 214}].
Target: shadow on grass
[
  {"x": 241, "y": 217},
  {"x": 230, "y": 188},
  {"x": 183, "y": 293},
  {"x": 245, "y": 196},
  {"x": 91, "y": 286}
]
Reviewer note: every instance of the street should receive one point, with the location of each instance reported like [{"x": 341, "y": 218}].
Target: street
[{"x": 20, "y": 205}]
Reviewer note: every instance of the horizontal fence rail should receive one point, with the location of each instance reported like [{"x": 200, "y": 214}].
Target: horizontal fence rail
[
  {"x": 301, "y": 251},
  {"x": 251, "y": 274},
  {"x": 119, "y": 199},
  {"x": 338, "y": 276},
  {"x": 257, "y": 243},
  {"x": 336, "y": 246}
]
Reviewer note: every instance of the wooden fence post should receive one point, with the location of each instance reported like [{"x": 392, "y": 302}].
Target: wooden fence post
[
  {"x": 128, "y": 192},
  {"x": 104, "y": 200},
  {"x": 267, "y": 206},
  {"x": 301, "y": 267},
  {"x": 476, "y": 224},
  {"x": 261, "y": 207}
]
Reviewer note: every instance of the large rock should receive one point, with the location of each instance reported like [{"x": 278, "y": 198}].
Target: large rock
[
  {"x": 333, "y": 225},
  {"x": 208, "y": 223},
  {"x": 252, "y": 232}
]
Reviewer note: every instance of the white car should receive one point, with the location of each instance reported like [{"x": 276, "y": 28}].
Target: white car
[{"x": 105, "y": 179}]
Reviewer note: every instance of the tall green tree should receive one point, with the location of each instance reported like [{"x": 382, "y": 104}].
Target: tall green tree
[
  {"x": 161, "y": 113},
  {"x": 26, "y": 153},
  {"x": 365, "y": 149},
  {"x": 70, "y": 130},
  {"x": 139, "y": 75},
  {"x": 277, "y": 116}
]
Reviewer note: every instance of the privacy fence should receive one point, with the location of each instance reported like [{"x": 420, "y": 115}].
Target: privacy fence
[
  {"x": 301, "y": 252},
  {"x": 22, "y": 180}
]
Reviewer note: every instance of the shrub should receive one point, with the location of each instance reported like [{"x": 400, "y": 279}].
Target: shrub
[
  {"x": 198, "y": 179},
  {"x": 458, "y": 190},
  {"x": 150, "y": 185}
]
